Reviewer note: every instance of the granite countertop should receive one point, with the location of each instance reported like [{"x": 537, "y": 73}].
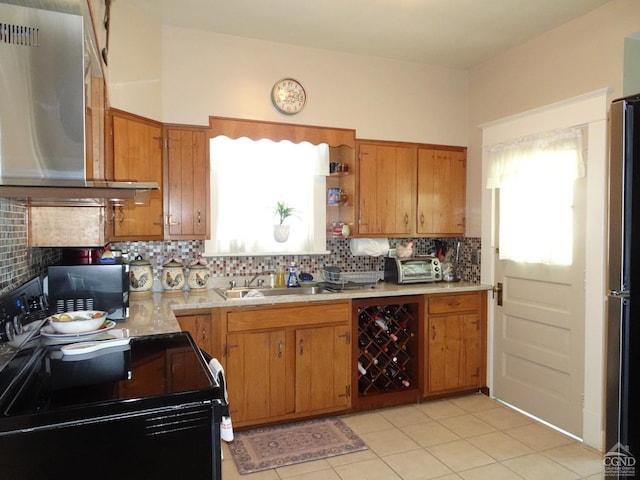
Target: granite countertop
[{"x": 156, "y": 314}]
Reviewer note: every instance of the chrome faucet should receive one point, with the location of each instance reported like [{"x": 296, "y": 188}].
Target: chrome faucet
[{"x": 261, "y": 281}]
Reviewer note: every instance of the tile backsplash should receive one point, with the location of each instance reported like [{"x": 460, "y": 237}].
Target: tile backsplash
[
  {"x": 18, "y": 262},
  {"x": 340, "y": 255}
]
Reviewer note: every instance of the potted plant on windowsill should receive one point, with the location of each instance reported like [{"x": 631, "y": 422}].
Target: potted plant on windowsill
[{"x": 281, "y": 230}]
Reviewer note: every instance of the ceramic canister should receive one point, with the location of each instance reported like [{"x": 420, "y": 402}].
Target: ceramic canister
[
  {"x": 198, "y": 277},
  {"x": 172, "y": 276},
  {"x": 140, "y": 275}
]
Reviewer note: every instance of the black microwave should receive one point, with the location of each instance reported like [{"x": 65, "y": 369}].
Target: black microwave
[{"x": 90, "y": 287}]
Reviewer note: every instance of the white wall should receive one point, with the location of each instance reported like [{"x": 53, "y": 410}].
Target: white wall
[
  {"x": 135, "y": 62},
  {"x": 380, "y": 98},
  {"x": 631, "y": 82},
  {"x": 204, "y": 74}
]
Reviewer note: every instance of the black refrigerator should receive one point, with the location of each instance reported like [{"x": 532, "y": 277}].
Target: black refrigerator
[{"x": 622, "y": 425}]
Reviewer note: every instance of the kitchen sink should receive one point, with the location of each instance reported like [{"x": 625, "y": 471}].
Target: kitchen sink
[{"x": 270, "y": 292}]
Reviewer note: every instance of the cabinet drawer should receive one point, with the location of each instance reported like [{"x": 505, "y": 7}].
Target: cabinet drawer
[
  {"x": 304, "y": 315},
  {"x": 454, "y": 303}
]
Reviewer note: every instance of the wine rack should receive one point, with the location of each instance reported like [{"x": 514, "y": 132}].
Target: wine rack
[{"x": 387, "y": 348}]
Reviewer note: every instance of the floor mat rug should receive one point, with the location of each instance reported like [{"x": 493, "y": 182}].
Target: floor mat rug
[{"x": 281, "y": 445}]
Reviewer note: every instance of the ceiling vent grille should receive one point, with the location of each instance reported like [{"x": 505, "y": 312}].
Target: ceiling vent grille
[{"x": 19, "y": 35}]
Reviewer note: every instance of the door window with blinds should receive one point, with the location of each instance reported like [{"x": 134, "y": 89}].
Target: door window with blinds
[{"x": 535, "y": 177}]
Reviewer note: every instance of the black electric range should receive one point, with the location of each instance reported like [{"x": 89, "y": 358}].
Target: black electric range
[{"x": 149, "y": 408}]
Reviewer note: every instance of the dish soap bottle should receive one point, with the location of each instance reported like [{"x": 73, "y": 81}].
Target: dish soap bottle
[
  {"x": 280, "y": 283},
  {"x": 292, "y": 279}
]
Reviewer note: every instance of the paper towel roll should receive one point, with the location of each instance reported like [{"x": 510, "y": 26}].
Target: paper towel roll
[{"x": 373, "y": 247}]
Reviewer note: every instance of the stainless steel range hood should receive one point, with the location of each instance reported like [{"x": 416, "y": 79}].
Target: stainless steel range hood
[{"x": 42, "y": 109}]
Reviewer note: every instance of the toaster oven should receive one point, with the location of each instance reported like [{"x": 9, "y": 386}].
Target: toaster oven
[{"x": 420, "y": 269}]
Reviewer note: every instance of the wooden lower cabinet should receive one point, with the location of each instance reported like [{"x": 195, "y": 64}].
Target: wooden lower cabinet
[
  {"x": 201, "y": 329},
  {"x": 455, "y": 341},
  {"x": 288, "y": 362}
]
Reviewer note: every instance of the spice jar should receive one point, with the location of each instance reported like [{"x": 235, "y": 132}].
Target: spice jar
[{"x": 140, "y": 278}]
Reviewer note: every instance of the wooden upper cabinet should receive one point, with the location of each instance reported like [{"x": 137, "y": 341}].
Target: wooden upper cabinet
[
  {"x": 137, "y": 156},
  {"x": 442, "y": 177},
  {"x": 187, "y": 183},
  {"x": 386, "y": 189}
]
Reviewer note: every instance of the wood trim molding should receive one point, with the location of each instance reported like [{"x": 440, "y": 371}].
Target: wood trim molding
[{"x": 257, "y": 129}]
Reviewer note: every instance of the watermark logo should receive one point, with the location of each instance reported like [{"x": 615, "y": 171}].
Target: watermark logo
[{"x": 618, "y": 462}]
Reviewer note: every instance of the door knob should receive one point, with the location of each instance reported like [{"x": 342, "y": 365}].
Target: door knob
[{"x": 497, "y": 290}]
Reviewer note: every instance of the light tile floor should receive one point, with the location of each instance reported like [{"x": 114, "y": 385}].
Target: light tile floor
[{"x": 465, "y": 438}]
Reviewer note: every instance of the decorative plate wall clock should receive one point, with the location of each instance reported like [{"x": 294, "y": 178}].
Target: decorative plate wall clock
[{"x": 288, "y": 96}]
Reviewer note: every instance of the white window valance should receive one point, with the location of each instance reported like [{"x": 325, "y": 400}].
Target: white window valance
[{"x": 555, "y": 154}]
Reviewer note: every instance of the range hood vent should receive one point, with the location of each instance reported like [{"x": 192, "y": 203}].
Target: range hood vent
[
  {"x": 75, "y": 192},
  {"x": 19, "y": 35},
  {"x": 42, "y": 114}
]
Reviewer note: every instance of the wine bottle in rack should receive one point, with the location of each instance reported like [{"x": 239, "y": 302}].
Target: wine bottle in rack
[
  {"x": 375, "y": 334},
  {"x": 384, "y": 326},
  {"x": 370, "y": 359},
  {"x": 398, "y": 376}
]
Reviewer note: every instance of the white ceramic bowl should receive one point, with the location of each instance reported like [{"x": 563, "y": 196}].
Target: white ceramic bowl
[{"x": 77, "y": 322}]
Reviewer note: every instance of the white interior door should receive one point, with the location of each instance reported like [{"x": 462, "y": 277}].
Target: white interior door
[{"x": 539, "y": 332}]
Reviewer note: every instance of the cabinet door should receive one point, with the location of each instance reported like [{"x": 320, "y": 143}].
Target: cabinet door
[
  {"x": 441, "y": 191},
  {"x": 470, "y": 361},
  {"x": 200, "y": 328},
  {"x": 323, "y": 361},
  {"x": 187, "y": 200},
  {"x": 386, "y": 189},
  {"x": 454, "y": 353},
  {"x": 256, "y": 375},
  {"x": 137, "y": 156}
]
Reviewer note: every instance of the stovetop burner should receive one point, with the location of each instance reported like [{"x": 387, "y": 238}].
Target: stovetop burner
[{"x": 19, "y": 308}]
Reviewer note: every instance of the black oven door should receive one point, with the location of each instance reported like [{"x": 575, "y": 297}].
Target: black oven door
[
  {"x": 167, "y": 443},
  {"x": 151, "y": 409}
]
